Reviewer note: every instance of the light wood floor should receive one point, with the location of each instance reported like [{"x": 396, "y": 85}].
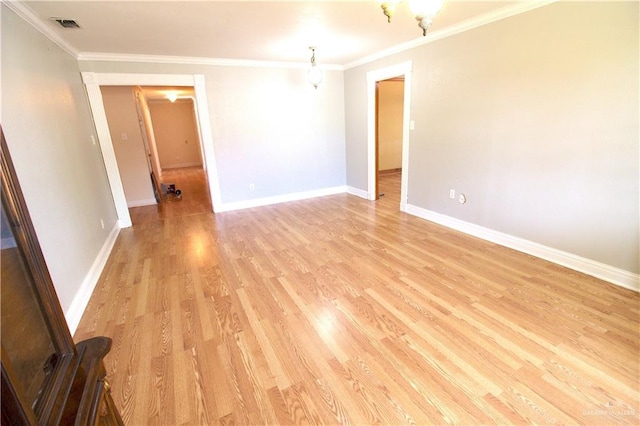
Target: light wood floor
[
  {"x": 341, "y": 310},
  {"x": 194, "y": 200}
]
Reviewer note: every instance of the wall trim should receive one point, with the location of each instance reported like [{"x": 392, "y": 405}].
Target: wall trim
[
  {"x": 469, "y": 24},
  {"x": 402, "y": 69},
  {"x": 20, "y": 8},
  {"x": 93, "y": 81},
  {"x": 6, "y": 243},
  {"x": 191, "y": 60},
  {"x": 358, "y": 192},
  {"x": 181, "y": 165},
  {"x": 25, "y": 12},
  {"x": 596, "y": 269},
  {"x": 81, "y": 299},
  {"x": 142, "y": 203},
  {"x": 296, "y": 196}
]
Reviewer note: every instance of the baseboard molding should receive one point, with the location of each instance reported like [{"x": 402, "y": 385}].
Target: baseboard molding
[
  {"x": 81, "y": 299},
  {"x": 259, "y": 202},
  {"x": 596, "y": 269},
  {"x": 181, "y": 165},
  {"x": 358, "y": 192},
  {"x": 390, "y": 171},
  {"x": 125, "y": 223},
  {"x": 8, "y": 243},
  {"x": 142, "y": 203}
]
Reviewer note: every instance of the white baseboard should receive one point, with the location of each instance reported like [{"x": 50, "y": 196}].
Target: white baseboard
[
  {"x": 8, "y": 243},
  {"x": 142, "y": 203},
  {"x": 259, "y": 202},
  {"x": 181, "y": 165},
  {"x": 590, "y": 267},
  {"x": 358, "y": 192},
  {"x": 125, "y": 223},
  {"x": 81, "y": 299}
]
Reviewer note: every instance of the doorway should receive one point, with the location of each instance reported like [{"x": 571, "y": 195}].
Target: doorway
[
  {"x": 389, "y": 115},
  {"x": 93, "y": 81},
  {"x": 153, "y": 130},
  {"x": 400, "y": 71},
  {"x": 169, "y": 118}
]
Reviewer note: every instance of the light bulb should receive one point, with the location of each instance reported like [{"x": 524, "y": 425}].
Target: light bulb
[
  {"x": 389, "y": 7},
  {"x": 314, "y": 75},
  {"x": 425, "y": 11}
]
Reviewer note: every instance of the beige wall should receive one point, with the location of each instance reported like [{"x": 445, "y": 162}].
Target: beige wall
[
  {"x": 535, "y": 119},
  {"x": 176, "y": 133},
  {"x": 390, "y": 109},
  {"x": 120, "y": 107}
]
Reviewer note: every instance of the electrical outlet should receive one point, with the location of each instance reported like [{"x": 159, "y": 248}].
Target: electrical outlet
[
  {"x": 252, "y": 186},
  {"x": 102, "y": 223},
  {"x": 452, "y": 194}
]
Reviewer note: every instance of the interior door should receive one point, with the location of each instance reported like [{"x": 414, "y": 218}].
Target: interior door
[{"x": 147, "y": 133}]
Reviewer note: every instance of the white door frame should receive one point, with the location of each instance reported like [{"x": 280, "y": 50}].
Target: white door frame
[
  {"x": 93, "y": 81},
  {"x": 402, "y": 69}
]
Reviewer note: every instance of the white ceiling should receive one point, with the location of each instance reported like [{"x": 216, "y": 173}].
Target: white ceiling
[{"x": 344, "y": 32}]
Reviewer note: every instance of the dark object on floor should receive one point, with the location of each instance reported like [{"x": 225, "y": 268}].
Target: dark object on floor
[{"x": 170, "y": 189}]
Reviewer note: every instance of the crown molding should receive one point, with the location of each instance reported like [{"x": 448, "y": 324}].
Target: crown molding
[
  {"x": 469, "y": 24},
  {"x": 34, "y": 20},
  {"x": 186, "y": 60},
  {"x": 24, "y": 12}
]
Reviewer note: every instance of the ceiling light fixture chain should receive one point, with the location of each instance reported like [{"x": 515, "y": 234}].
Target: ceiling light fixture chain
[{"x": 315, "y": 73}]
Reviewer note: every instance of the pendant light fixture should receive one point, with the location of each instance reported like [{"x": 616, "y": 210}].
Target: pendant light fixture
[
  {"x": 423, "y": 10},
  {"x": 389, "y": 7},
  {"x": 315, "y": 73}
]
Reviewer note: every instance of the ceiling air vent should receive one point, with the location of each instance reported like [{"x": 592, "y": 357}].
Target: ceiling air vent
[{"x": 66, "y": 23}]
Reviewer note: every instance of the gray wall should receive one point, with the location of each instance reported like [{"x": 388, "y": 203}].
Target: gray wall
[
  {"x": 270, "y": 127},
  {"x": 48, "y": 127},
  {"x": 535, "y": 119}
]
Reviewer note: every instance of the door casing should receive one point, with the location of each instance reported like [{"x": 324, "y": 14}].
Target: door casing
[
  {"x": 93, "y": 81},
  {"x": 373, "y": 77}
]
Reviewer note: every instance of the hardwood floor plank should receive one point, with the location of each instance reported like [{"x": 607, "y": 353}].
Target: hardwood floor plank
[
  {"x": 160, "y": 407},
  {"x": 275, "y": 369},
  {"x": 340, "y": 310}
]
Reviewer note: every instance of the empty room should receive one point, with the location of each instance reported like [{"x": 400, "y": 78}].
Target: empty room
[{"x": 332, "y": 212}]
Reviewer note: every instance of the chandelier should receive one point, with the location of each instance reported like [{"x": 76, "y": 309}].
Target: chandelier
[
  {"x": 315, "y": 73},
  {"x": 423, "y": 10}
]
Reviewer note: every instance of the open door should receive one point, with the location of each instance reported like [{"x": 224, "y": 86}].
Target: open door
[{"x": 146, "y": 129}]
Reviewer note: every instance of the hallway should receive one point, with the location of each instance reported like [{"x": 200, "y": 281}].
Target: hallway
[{"x": 195, "y": 198}]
